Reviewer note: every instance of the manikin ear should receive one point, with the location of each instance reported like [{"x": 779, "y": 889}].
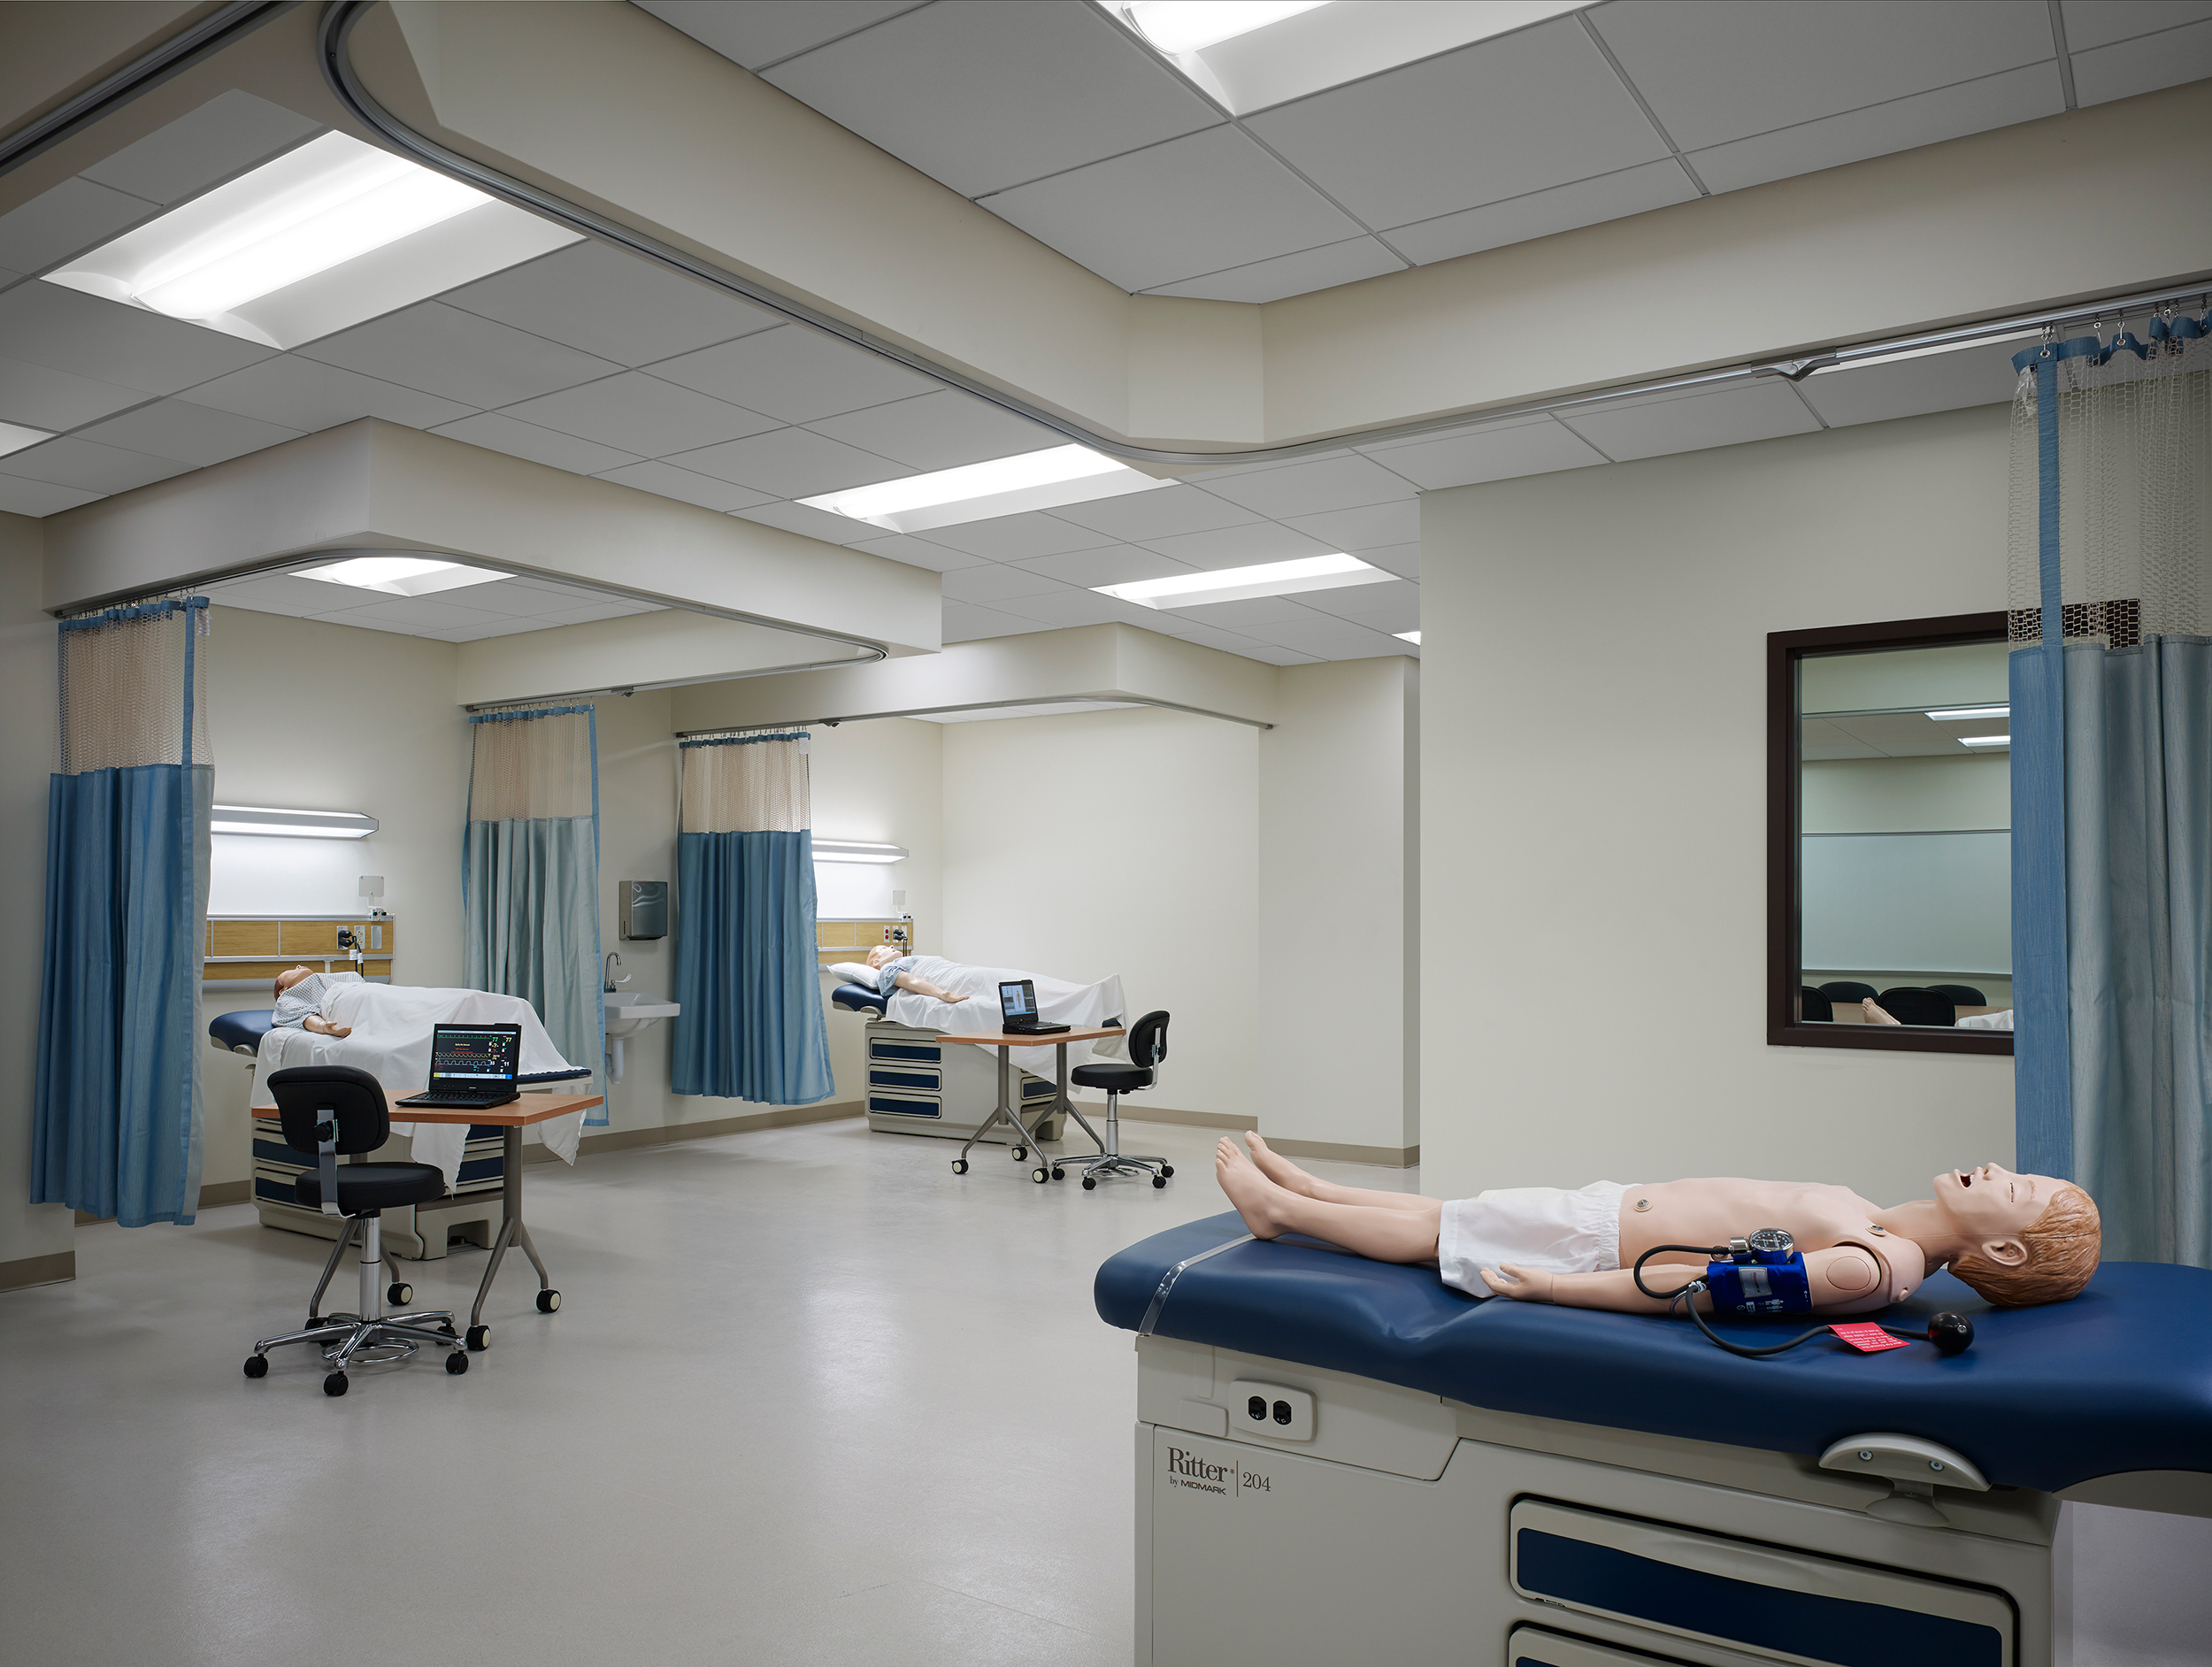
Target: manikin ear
[{"x": 2006, "y": 1253}]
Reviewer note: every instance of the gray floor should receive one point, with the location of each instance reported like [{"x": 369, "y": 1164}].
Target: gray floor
[{"x": 810, "y": 1400}]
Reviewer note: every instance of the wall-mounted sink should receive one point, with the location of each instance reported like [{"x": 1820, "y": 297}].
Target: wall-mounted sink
[{"x": 629, "y": 1012}]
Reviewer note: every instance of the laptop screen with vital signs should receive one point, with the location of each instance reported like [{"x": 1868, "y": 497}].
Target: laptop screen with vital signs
[
  {"x": 1018, "y": 1000},
  {"x": 474, "y": 1056}
]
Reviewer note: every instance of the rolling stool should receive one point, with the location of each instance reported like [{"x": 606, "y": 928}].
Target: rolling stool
[
  {"x": 327, "y": 1110},
  {"x": 1147, "y": 1046}
]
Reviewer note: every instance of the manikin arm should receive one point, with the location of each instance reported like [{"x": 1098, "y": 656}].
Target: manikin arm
[
  {"x": 923, "y": 987},
  {"x": 1844, "y": 1279},
  {"x": 323, "y": 1027}
]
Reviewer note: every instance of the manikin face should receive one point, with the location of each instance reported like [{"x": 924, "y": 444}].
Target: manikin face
[
  {"x": 1992, "y": 1207},
  {"x": 882, "y": 955},
  {"x": 286, "y": 979}
]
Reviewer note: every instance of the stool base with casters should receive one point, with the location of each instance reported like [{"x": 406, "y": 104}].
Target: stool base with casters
[
  {"x": 1147, "y": 1046},
  {"x": 371, "y": 1337}
]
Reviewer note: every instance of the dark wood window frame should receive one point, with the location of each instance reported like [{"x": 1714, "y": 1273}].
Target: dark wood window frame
[{"x": 1785, "y": 972}]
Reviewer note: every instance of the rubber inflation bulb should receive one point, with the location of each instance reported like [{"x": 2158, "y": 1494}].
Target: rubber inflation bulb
[{"x": 1951, "y": 1334}]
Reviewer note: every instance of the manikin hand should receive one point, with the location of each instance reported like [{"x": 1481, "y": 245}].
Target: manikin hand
[
  {"x": 324, "y": 1028},
  {"x": 951, "y": 999},
  {"x": 1523, "y": 1285}
]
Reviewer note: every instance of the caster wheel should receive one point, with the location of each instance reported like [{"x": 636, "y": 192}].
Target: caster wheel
[
  {"x": 1159, "y": 1181},
  {"x": 257, "y": 1365},
  {"x": 548, "y": 1302},
  {"x": 1058, "y": 1174},
  {"x": 1040, "y": 1174},
  {"x": 959, "y": 1165},
  {"x": 447, "y": 1328},
  {"x": 1020, "y": 1152},
  {"x": 1168, "y": 1171},
  {"x": 479, "y": 1338},
  {"x": 457, "y": 1361},
  {"x": 400, "y": 1292},
  {"x": 1090, "y": 1184},
  {"x": 335, "y": 1384}
]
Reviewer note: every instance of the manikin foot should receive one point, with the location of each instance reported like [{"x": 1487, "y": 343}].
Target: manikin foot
[
  {"x": 1278, "y": 1168},
  {"x": 1875, "y": 1015},
  {"x": 1251, "y": 1192}
]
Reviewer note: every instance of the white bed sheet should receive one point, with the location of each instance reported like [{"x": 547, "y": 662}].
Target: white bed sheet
[
  {"x": 391, "y": 1026},
  {"x": 1084, "y": 1006}
]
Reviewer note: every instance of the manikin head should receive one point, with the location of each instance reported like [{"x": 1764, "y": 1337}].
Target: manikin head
[
  {"x": 2029, "y": 1239},
  {"x": 291, "y": 976},
  {"x": 883, "y": 954}
]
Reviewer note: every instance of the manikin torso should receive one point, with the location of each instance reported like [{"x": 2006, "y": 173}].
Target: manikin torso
[{"x": 1713, "y": 1210}]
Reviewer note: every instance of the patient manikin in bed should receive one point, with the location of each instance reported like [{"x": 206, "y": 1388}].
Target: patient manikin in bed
[
  {"x": 896, "y": 971},
  {"x": 299, "y": 1000},
  {"x": 2017, "y": 1240}
]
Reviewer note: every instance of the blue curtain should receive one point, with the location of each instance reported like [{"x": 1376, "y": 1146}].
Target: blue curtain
[
  {"x": 530, "y": 873},
  {"x": 116, "y": 1115},
  {"x": 2112, "y": 783},
  {"x": 751, "y": 1026}
]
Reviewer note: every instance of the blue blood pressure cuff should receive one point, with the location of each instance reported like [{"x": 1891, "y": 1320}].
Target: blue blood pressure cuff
[{"x": 1764, "y": 1274}]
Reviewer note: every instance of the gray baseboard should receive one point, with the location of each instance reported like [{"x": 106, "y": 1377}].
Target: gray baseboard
[
  {"x": 781, "y": 1116},
  {"x": 29, "y": 1271},
  {"x": 214, "y": 1193},
  {"x": 1338, "y": 1151},
  {"x": 1138, "y": 1111}
]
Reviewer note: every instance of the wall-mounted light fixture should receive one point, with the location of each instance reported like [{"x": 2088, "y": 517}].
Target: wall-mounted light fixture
[
  {"x": 297, "y": 824},
  {"x": 857, "y": 851}
]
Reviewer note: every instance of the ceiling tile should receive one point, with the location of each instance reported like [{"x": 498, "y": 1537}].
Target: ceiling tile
[
  {"x": 642, "y": 415},
  {"x": 1271, "y": 654},
  {"x": 433, "y": 612},
  {"x": 443, "y": 351},
  {"x": 792, "y": 463},
  {"x": 477, "y": 633},
  {"x": 1239, "y": 546},
  {"x": 1754, "y": 410},
  {"x": 1225, "y": 472},
  {"x": 2130, "y": 67},
  {"x": 1062, "y": 608},
  {"x": 1490, "y": 454},
  {"x": 89, "y": 466},
  {"x": 1903, "y": 124},
  {"x": 188, "y": 433},
  {"x": 1141, "y": 518},
  {"x": 765, "y": 31},
  {"x": 597, "y": 298},
  {"x": 2093, "y": 23},
  {"x": 1610, "y": 196},
  {"x": 1395, "y": 606},
  {"x": 1310, "y": 488},
  {"x": 796, "y": 375},
  {"x": 1253, "y": 614},
  {"x": 988, "y": 582},
  {"x": 591, "y": 613},
  {"x": 665, "y": 480},
  {"x": 1114, "y": 564},
  {"x": 916, "y": 552},
  {"x": 943, "y": 430},
  {"x": 70, "y": 331},
  {"x": 1007, "y": 538},
  {"x": 1160, "y": 215},
  {"x": 797, "y": 518},
  {"x": 223, "y": 137},
  {"x": 284, "y": 593},
  {"x": 1498, "y": 118},
  {"x": 1188, "y": 630},
  {"x": 966, "y": 623},
  {"x": 1402, "y": 559},
  {"x": 1298, "y": 274},
  {"x": 527, "y": 598},
  {"x": 1716, "y": 73},
  {"x": 981, "y": 94},
  {"x": 1369, "y": 527},
  {"x": 19, "y": 496},
  {"x": 311, "y": 396},
  {"x": 1334, "y": 639},
  {"x": 37, "y": 397},
  {"x": 55, "y": 223},
  {"x": 496, "y": 432},
  {"x": 1908, "y": 388}
]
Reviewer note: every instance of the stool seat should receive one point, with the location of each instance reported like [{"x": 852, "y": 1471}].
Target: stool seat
[
  {"x": 1112, "y": 1074},
  {"x": 373, "y": 1186}
]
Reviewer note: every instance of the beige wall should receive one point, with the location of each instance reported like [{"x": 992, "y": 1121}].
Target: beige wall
[
  {"x": 1119, "y": 843},
  {"x": 1339, "y": 935},
  {"x": 1593, "y": 776},
  {"x": 1905, "y": 795},
  {"x": 637, "y": 841}
]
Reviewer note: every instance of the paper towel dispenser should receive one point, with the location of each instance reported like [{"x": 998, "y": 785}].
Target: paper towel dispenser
[{"x": 644, "y": 908}]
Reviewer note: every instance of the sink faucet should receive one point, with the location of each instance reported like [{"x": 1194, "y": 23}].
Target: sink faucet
[{"x": 607, "y": 977}]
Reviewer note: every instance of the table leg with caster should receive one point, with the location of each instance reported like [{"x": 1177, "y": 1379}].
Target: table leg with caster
[
  {"x": 1062, "y": 1104},
  {"x": 511, "y": 1231}
]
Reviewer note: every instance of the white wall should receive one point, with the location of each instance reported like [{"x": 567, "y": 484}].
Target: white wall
[
  {"x": 27, "y": 758},
  {"x": 1593, "y": 777},
  {"x": 1119, "y": 843},
  {"x": 1339, "y": 931},
  {"x": 637, "y": 841}
]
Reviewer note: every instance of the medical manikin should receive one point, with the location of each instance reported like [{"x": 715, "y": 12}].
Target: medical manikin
[{"x": 2017, "y": 1240}]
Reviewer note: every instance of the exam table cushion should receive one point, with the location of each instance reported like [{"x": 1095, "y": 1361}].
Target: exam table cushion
[
  {"x": 240, "y": 1032},
  {"x": 373, "y": 1186},
  {"x": 861, "y": 999},
  {"x": 2118, "y": 1379}
]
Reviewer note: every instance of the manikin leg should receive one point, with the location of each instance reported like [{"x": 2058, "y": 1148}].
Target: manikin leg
[
  {"x": 1394, "y": 1235},
  {"x": 1289, "y": 1177}
]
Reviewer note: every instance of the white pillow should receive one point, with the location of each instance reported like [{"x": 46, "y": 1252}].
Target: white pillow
[{"x": 854, "y": 972}]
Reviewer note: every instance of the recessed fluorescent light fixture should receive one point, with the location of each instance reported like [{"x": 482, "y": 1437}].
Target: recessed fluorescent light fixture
[
  {"x": 1192, "y": 25},
  {"x": 980, "y": 491},
  {"x": 1984, "y": 740},
  {"x": 1953, "y": 712},
  {"x": 297, "y": 825},
  {"x": 1413, "y": 637},
  {"x": 400, "y": 575},
  {"x": 857, "y": 851},
  {"x": 15, "y": 437},
  {"x": 325, "y": 237},
  {"x": 1239, "y": 584}
]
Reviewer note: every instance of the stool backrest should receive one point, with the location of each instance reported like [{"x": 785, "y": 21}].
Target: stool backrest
[
  {"x": 1846, "y": 990},
  {"x": 1962, "y": 994},
  {"x": 1813, "y": 1007},
  {"x": 305, "y": 1092},
  {"x": 1148, "y": 1040},
  {"x": 1909, "y": 1004}
]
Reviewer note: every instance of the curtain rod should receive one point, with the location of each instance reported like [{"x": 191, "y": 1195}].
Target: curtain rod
[{"x": 987, "y": 706}]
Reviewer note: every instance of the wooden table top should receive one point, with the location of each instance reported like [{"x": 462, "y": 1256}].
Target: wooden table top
[
  {"x": 530, "y": 1108},
  {"x": 990, "y": 1039}
]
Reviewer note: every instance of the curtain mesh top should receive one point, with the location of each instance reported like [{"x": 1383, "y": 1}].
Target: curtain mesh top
[
  {"x": 530, "y": 765},
  {"x": 129, "y": 678},
  {"x": 747, "y": 784}
]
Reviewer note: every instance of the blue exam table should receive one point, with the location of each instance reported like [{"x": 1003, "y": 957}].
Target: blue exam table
[
  {"x": 1339, "y": 1459},
  {"x": 860, "y": 999},
  {"x": 241, "y": 1032}
]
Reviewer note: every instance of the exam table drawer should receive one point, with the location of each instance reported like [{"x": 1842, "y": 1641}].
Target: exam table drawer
[
  {"x": 901, "y": 1106},
  {"x": 913, "y": 1053},
  {"x": 1533, "y": 1647},
  {"x": 1770, "y": 1601},
  {"x": 917, "y": 1081}
]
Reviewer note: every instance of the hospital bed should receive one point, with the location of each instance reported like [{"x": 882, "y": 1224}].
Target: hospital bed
[
  {"x": 1344, "y": 1460},
  {"x": 917, "y": 1084}
]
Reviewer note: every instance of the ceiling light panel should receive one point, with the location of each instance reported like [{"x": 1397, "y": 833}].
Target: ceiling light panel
[
  {"x": 982, "y": 491},
  {"x": 1984, "y": 740},
  {"x": 1953, "y": 713},
  {"x": 1241, "y": 584},
  {"x": 325, "y": 237},
  {"x": 14, "y": 437},
  {"x": 400, "y": 575},
  {"x": 1192, "y": 25},
  {"x": 1413, "y": 637}
]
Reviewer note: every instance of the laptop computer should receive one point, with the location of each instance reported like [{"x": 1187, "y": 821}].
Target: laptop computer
[
  {"x": 471, "y": 1067},
  {"x": 1017, "y": 1003}
]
